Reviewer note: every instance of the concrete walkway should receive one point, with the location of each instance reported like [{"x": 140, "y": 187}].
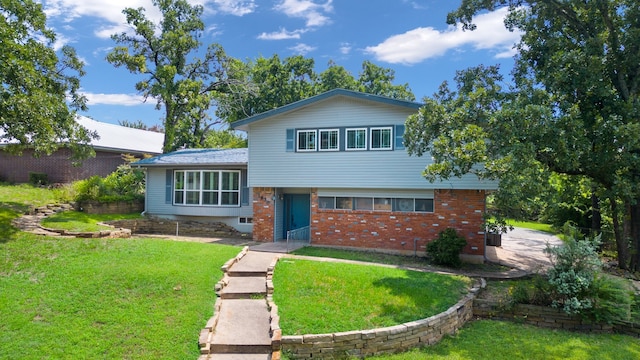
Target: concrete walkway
[
  {"x": 523, "y": 249},
  {"x": 242, "y": 329}
]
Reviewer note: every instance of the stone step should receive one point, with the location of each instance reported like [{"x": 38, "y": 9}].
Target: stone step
[
  {"x": 245, "y": 288},
  {"x": 243, "y": 327},
  {"x": 235, "y": 357},
  {"x": 252, "y": 264}
]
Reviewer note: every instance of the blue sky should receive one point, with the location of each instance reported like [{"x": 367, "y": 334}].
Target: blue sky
[{"x": 409, "y": 36}]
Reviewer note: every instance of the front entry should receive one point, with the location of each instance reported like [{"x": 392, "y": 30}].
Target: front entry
[{"x": 297, "y": 212}]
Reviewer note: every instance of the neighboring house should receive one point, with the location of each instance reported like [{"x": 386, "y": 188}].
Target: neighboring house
[
  {"x": 331, "y": 169},
  {"x": 199, "y": 184},
  {"x": 113, "y": 141}
]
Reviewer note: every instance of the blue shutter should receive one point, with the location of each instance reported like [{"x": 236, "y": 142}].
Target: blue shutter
[
  {"x": 244, "y": 193},
  {"x": 399, "y": 136},
  {"x": 168, "y": 186},
  {"x": 291, "y": 140}
]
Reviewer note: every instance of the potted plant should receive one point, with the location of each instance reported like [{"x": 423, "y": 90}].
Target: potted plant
[{"x": 494, "y": 227}]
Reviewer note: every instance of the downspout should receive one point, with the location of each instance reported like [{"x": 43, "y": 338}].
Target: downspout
[
  {"x": 484, "y": 230},
  {"x": 146, "y": 181}
]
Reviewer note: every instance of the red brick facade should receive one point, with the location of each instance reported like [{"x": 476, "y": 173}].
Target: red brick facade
[
  {"x": 58, "y": 166},
  {"x": 401, "y": 232},
  {"x": 263, "y": 214}
]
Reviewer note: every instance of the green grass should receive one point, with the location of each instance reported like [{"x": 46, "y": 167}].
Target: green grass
[
  {"x": 322, "y": 297},
  {"x": 496, "y": 340},
  {"x": 83, "y": 222},
  {"x": 532, "y": 225},
  {"x": 16, "y": 200},
  {"x": 66, "y": 298}
]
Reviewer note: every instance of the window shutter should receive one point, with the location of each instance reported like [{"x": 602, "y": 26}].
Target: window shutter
[
  {"x": 290, "y": 140},
  {"x": 244, "y": 193},
  {"x": 168, "y": 186},
  {"x": 399, "y": 136}
]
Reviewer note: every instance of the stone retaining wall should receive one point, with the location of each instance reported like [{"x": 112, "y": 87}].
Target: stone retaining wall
[
  {"x": 386, "y": 340},
  {"x": 548, "y": 317},
  {"x": 152, "y": 225},
  {"x": 118, "y": 207}
]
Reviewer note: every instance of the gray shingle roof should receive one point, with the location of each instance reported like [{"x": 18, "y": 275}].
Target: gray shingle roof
[{"x": 200, "y": 157}]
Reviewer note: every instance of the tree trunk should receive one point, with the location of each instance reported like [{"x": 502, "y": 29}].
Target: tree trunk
[
  {"x": 622, "y": 245},
  {"x": 596, "y": 215},
  {"x": 635, "y": 234}
]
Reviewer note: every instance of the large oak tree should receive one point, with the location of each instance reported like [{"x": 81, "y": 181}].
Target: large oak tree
[
  {"x": 574, "y": 108},
  {"x": 40, "y": 89},
  {"x": 182, "y": 84}
]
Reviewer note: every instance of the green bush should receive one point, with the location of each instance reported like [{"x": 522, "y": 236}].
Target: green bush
[
  {"x": 445, "y": 250},
  {"x": 613, "y": 299},
  {"x": 124, "y": 184},
  {"x": 37, "y": 179}
]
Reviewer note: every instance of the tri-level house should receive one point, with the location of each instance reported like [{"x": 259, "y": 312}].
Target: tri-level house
[
  {"x": 331, "y": 169},
  {"x": 334, "y": 167}
]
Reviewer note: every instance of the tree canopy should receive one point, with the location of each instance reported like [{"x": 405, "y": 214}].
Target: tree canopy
[
  {"x": 572, "y": 108},
  {"x": 184, "y": 85},
  {"x": 40, "y": 90},
  {"x": 274, "y": 82}
]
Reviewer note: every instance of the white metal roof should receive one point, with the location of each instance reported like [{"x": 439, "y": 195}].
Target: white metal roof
[{"x": 122, "y": 138}]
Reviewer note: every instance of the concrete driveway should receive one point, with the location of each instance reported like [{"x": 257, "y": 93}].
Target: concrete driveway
[{"x": 523, "y": 249}]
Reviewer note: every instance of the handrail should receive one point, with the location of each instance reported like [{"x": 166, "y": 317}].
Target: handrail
[{"x": 300, "y": 234}]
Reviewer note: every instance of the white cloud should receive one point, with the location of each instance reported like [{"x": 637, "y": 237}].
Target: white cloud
[
  {"x": 302, "y": 49},
  {"x": 282, "y": 34},
  {"x": 115, "y": 99},
  {"x": 423, "y": 43},
  {"x": 236, "y": 7},
  {"x": 345, "y": 48},
  {"x": 313, "y": 13}
]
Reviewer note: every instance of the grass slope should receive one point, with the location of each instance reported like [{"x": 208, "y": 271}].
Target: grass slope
[
  {"x": 323, "y": 297},
  {"x": 497, "y": 340},
  {"x": 108, "y": 299},
  {"x": 79, "y": 221}
]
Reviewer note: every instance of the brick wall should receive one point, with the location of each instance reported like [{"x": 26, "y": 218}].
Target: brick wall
[
  {"x": 400, "y": 231},
  {"x": 58, "y": 166},
  {"x": 263, "y": 214}
]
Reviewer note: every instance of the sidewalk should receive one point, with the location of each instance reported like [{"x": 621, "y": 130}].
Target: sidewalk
[{"x": 523, "y": 249}]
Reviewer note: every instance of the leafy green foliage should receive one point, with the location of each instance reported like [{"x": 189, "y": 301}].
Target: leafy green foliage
[
  {"x": 184, "y": 85},
  {"x": 613, "y": 298},
  {"x": 276, "y": 82},
  {"x": 572, "y": 108},
  {"x": 224, "y": 139},
  {"x": 124, "y": 184},
  {"x": 445, "y": 250},
  {"x": 39, "y": 91}
]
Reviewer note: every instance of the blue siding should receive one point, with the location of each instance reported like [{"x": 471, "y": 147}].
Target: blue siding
[{"x": 270, "y": 165}]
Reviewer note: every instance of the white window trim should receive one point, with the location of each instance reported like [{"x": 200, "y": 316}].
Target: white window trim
[
  {"x": 346, "y": 139},
  {"x": 391, "y": 138},
  {"x": 248, "y": 220},
  {"x": 328, "y": 131},
  {"x": 315, "y": 144},
  {"x": 201, "y": 190}
]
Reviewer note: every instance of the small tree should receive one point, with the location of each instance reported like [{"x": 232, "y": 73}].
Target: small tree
[{"x": 445, "y": 250}]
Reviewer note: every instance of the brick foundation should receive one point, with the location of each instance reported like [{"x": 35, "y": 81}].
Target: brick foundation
[{"x": 401, "y": 232}]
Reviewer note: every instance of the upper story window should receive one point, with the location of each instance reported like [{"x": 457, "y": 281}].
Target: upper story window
[
  {"x": 306, "y": 140},
  {"x": 329, "y": 140},
  {"x": 206, "y": 188},
  {"x": 356, "y": 139},
  {"x": 381, "y": 138}
]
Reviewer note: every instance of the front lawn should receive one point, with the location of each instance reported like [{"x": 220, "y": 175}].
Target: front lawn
[
  {"x": 66, "y": 298},
  {"x": 83, "y": 222},
  {"x": 498, "y": 340},
  {"x": 322, "y": 297}
]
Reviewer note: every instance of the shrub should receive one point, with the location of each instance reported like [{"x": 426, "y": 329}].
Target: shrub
[
  {"x": 575, "y": 265},
  {"x": 445, "y": 250},
  {"x": 124, "y": 184},
  {"x": 37, "y": 179},
  {"x": 613, "y": 299}
]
